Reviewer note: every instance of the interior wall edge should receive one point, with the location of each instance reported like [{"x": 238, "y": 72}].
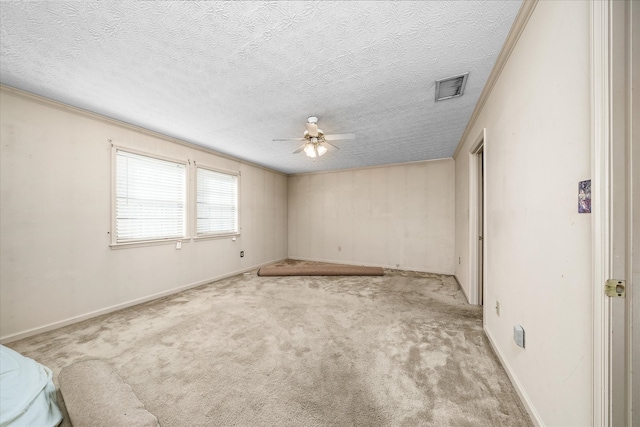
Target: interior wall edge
[
  {"x": 77, "y": 319},
  {"x": 524, "y": 397},
  {"x": 464, "y": 292},
  {"x": 85, "y": 113},
  {"x": 390, "y": 165}
]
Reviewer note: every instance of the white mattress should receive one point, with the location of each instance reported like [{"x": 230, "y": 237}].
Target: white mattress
[{"x": 27, "y": 393}]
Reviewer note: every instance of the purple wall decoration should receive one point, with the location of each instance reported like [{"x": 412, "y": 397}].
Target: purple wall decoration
[{"x": 584, "y": 196}]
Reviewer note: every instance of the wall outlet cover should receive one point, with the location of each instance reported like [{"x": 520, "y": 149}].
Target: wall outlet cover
[{"x": 518, "y": 335}]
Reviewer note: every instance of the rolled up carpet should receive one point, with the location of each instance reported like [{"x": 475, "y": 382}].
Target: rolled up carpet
[
  {"x": 95, "y": 396},
  {"x": 321, "y": 270}
]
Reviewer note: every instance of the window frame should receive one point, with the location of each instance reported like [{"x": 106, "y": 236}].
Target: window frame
[
  {"x": 114, "y": 243},
  {"x": 194, "y": 215}
]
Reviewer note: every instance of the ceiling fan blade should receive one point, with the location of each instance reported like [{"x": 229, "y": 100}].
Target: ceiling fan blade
[
  {"x": 299, "y": 149},
  {"x": 289, "y": 139},
  {"x": 312, "y": 128},
  {"x": 338, "y": 136},
  {"x": 328, "y": 143}
]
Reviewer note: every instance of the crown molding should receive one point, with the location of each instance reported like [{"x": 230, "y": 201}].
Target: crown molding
[
  {"x": 85, "y": 113},
  {"x": 517, "y": 28}
]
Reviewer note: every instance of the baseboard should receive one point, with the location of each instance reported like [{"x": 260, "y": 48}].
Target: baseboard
[
  {"x": 524, "y": 397},
  {"x": 80, "y": 318},
  {"x": 365, "y": 264}
]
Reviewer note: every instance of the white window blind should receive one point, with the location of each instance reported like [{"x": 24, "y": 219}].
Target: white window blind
[
  {"x": 150, "y": 198},
  {"x": 217, "y": 203}
]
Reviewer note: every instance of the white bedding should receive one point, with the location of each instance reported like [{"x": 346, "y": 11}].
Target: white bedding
[{"x": 27, "y": 393}]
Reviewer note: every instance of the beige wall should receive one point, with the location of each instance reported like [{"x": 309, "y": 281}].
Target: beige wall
[
  {"x": 538, "y": 248},
  {"x": 55, "y": 213},
  {"x": 399, "y": 216}
]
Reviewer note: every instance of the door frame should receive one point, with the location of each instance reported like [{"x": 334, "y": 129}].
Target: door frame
[
  {"x": 600, "y": 166},
  {"x": 476, "y": 285},
  {"x": 606, "y": 165}
]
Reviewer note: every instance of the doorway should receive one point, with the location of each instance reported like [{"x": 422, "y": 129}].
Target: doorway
[
  {"x": 476, "y": 219},
  {"x": 480, "y": 273}
]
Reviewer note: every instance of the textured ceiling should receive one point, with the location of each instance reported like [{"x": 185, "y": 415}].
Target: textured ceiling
[{"x": 232, "y": 76}]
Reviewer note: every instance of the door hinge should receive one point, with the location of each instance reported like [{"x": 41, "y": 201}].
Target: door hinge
[{"x": 615, "y": 288}]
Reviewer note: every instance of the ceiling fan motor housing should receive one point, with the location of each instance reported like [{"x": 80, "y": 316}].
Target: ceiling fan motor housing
[{"x": 311, "y": 138}]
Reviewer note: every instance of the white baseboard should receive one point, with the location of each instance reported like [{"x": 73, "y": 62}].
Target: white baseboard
[
  {"x": 364, "y": 264},
  {"x": 524, "y": 397},
  {"x": 80, "y": 318}
]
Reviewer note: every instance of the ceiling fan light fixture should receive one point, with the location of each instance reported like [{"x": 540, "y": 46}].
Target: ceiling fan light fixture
[
  {"x": 314, "y": 150},
  {"x": 314, "y": 142},
  {"x": 309, "y": 150}
]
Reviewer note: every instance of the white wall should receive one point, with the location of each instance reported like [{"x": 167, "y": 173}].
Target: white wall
[
  {"x": 399, "y": 216},
  {"x": 55, "y": 210},
  {"x": 538, "y": 248}
]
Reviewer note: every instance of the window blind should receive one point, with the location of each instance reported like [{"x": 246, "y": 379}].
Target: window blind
[
  {"x": 150, "y": 198},
  {"x": 217, "y": 202}
]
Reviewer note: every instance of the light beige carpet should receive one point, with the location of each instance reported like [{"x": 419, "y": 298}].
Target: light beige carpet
[
  {"x": 96, "y": 396},
  {"x": 398, "y": 350}
]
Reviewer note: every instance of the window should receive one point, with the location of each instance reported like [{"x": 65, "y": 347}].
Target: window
[
  {"x": 217, "y": 203},
  {"x": 150, "y": 198}
]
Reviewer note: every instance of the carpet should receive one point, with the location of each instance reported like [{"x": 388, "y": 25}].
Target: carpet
[
  {"x": 96, "y": 396},
  {"x": 320, "y": 270},
  {"x": 403, "y": 349}
]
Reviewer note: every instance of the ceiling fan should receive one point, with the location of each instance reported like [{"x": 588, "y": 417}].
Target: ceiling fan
[{"x": 315, "y": 142}]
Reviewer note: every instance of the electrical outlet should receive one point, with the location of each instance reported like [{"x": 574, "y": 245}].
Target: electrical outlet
[
  {"x": 498, "y": 308},
  {"x": 458, "y": 260},
  {"x": 241, "y": 254},
  {"x": 339, "y": 248}
]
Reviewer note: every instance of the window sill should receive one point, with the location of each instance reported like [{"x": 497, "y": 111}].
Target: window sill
[
  {"x": 216, "y": 236},
  {"x": 143, "y": 243}
]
